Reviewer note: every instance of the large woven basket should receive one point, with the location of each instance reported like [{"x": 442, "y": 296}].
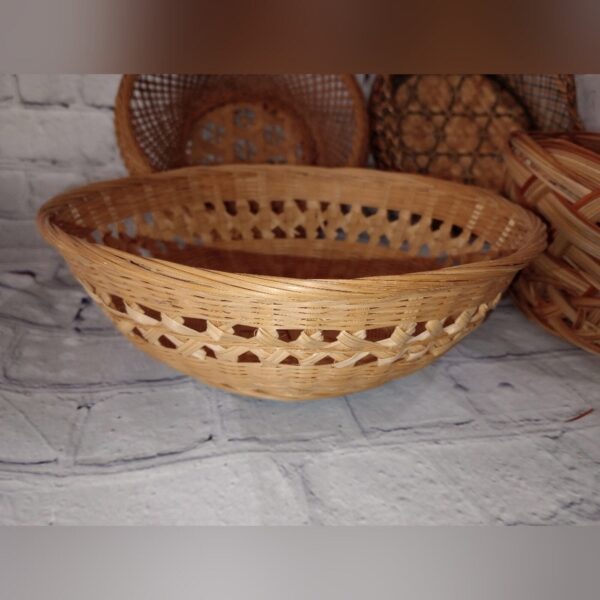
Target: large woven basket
[
  {"x": 456, "y": 126},
  {"x": 292, "y": 282},
  {"x": 559, "y": 177},
  {"x": 169, "y": 121}
]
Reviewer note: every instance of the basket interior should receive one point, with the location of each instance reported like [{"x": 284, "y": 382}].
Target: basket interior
[
  {"x": 290, "y": 223},
  {"x": 247, "y": 131},
  {"x": 182, "y": 120}
]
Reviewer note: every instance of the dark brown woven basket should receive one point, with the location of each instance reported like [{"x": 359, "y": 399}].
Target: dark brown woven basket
[
  {"x": 456, "y": 126},
  {"x": 169, "y": 121}
]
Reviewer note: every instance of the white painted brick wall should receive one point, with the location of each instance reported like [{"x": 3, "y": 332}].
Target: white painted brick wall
[
  {"x": 15, "y": 194},
  {"x": 92, "y": 431},
  {"x": 56, "y": 132},
  {"x": 67, "y": 138},
  {"x": 7, "y": 88},
  {"x": 99, "y": 90},
  {"x": 49, "y": 89}
]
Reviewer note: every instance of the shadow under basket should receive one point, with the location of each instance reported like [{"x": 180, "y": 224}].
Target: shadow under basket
[{"x": 292, "y": 283}]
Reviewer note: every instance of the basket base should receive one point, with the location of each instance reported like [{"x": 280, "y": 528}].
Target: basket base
[
  {"x": 248, "y": 132},
  {"x": 287, "y": 383}
]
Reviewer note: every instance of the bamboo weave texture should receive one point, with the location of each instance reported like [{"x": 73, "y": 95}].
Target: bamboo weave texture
[{"x": 292, "y": 283}]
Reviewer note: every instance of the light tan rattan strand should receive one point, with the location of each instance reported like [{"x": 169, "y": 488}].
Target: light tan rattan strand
[
  {"x": 249, "y": 330},
  {"x": 559, "y": 177}
]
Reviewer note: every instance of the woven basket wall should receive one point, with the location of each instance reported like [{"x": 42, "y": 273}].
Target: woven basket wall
[
  {"x": 456, "y": 126},
  {"x": 292, "y": 282},
  {"x": 169, "y": 121},
  {"x": 559, "y": 178}
]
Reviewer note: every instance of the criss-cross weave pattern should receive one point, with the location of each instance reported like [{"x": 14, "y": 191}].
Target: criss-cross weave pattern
[
  {"x": 292, "y": 282},
  {"x": 450, "y": 126},
  {"x": 559, "y": 177},
  {"x": 169, "y": 121},
  {"x": 550, "y": 100},
  {"x": 456, "y": 126}
]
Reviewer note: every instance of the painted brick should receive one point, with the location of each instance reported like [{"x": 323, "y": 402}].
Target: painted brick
[
  {"x": 36, "y": 288},
  {"x": 43, "y": 262},
  {"x": 425, "y": 401},
  {"x": 52, "y": 417},
  {"x": 88, "y": 315},
  {"x": 383, "y": 487},
  {"x": 132, "y": 425},
  {"x": 24, "y": 299},
  {"x": 588, "y": 441},
  {"x": 247, "y": 419},
  {"x": 67, "y": 359},
  {"x": 236, "y": 490},
  {"x": 7, "y": 88},
  {"x": 47, "y": 184},
  {"x": 100, "y": 90},
  {"x": 515, "y": 480},
  {"x": 8, "y": 336},
  {"x": 20, "y": 441},
  {"x": 579, "y": 451},
  {"x": 532, "y": 390},
  {"x": 65, "y": 277},
  {"x": 65, "y": 136},
  {"x": 31, "y": 307},
  {"x": 14, "y": 194},
  {"x": 588, "y": 100},
  {"x": 580, "y": 370},
  {"x": 113, "y": 170},
  {"x": 49, "y": 89},
  {"x": 19, "y": 233}
]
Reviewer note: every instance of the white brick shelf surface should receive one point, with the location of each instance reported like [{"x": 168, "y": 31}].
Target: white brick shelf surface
[{"x": 94, "y": 432}]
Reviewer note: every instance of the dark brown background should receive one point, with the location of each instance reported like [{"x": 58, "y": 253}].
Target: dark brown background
[{"x": 311, "y": 36}]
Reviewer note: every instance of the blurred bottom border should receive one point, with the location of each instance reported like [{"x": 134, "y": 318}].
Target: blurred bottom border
[{"x": 177, "y": 563}]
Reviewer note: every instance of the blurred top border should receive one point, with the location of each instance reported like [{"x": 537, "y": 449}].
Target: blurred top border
[{"x": 263, "y": 36}]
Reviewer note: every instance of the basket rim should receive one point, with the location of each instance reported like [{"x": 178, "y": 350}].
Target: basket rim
[
  {"x": 535, "y": 148},
  {"x": 138, "y": 163},
  {"x": 533, "y": 244}
]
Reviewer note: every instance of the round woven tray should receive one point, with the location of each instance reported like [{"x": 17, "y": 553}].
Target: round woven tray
[
  {"x": 559, "y": 178},
  {"x": 169, "y": 121},
  {"x": 456, "y": 126},
  {"x": 292, "y": 283}
]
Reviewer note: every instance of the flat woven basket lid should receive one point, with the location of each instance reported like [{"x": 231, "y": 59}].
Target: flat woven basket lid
[{"x": 449, "y": 126}]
